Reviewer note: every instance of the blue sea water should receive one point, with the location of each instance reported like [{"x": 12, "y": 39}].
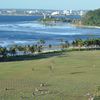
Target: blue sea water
[{"x": 28, "y": 30}]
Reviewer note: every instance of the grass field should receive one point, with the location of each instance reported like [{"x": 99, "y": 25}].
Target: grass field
[{"x": 70, "y": 76}]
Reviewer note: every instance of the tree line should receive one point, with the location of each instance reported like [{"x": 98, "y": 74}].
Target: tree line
[
  {"x": 92, "y": 18},
  {"x": 31, "y": 49},
  {"x": 12, "y": 50},
  {"x": 87, "y": 43}
]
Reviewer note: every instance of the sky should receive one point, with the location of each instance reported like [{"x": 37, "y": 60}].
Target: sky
[{"x": 51, "y": 4}]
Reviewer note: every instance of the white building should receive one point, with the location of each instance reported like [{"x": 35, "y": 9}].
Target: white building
[
  {"x": 81, "y": 13},
  {"x": 55, "y": 13},
  {"x": 30, "y": 12},
  {"x": 66, "y": 12}
]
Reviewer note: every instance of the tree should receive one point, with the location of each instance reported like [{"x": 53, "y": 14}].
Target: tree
[
  {"x": 40, "y": 45},
  {"x": 92, "y": 18},
  {"x": 12, "y": 51},
  {"x": 32, "y": 49},
  {"x": 62, "y": 43},
  {"x": 78, "y": 42},
  {"x": 3, "y": 52},
  {"x": 39, "y": 48},
  {"x": 50, "y": 46},
  {"x": 66, "y": 44}
]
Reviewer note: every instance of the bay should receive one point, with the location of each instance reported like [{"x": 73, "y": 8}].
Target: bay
[{"x": 26, "y": 30}]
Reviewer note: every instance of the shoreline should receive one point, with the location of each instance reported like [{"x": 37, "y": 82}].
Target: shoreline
[
  {"x": 75, "y": 25},
  {"x": 85, "y": 26}
]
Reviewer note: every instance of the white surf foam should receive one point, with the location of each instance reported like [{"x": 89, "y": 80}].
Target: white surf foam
[{"x": 58, "y": 33}]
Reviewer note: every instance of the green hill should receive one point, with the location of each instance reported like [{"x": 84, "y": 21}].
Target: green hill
[{"x": 92, "y": 18}]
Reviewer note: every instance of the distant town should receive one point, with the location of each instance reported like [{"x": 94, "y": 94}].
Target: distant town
[{"x": 30, "y": 12}]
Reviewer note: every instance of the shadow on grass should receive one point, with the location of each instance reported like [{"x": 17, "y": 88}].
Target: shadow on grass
[
  {"x": 31, "y": 57},
  {"x": 97, "y": 98},
  {"x": 77, "y": 73}
]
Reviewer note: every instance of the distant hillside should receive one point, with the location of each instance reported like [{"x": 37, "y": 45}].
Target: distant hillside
[{"x": 92, "y": 18}]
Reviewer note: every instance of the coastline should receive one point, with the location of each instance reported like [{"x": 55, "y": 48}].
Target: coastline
[
  {"x": 75, "y": 25},
  {"x": 86, "y": 26}
]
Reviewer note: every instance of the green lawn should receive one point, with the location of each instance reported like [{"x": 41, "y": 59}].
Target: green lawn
[{"x": 65, "y": 77}]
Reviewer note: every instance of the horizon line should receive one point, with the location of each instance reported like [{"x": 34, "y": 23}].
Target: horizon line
[{"x": 50, "y": 9}]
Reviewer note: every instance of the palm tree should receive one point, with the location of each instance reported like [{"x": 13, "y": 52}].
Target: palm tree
[
  {"x": 66, "y": 44},
  {"x": 62, "y": 43},
  {"x": 20, "y": 48},
  {"x": 3, "y": 52},
  {"x": 41, "y": 42},
  {"x": 40, "y": 45},
  {"x": 79, "y": 43},
  {"x": 50, "y": 46},
  {"x": 12, "y": 51},
  {"x": 39, "y": 48},
  {"x": 73, "y": 43},
  {"x": 32, "y": 49}
]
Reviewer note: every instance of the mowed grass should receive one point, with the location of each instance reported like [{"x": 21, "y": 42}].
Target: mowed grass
[{"x": 66, "y": 77}]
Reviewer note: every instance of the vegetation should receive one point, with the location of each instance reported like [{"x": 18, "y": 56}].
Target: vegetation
[
  {"x": 54, "y": 19},
  {"x": 92, "y": 18},
  {"x": 57, "y": 76},
  {"x": 86, "y": 43},
  {"x": 70, "y": 76},
  {"x": 78, "y": 44}
]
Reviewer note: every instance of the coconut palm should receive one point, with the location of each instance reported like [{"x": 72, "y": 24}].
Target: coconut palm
[
  {"x": 3, "y": 52},
  {"x": 40, "y": 45},
  {"x": 62, "y": 43},
  {"x": 50, "y": 46},
  {"x": 32, "y": 49},
  {"x": 12, "y": 51}
]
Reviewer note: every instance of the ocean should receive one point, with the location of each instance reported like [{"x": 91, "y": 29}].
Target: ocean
[{"x": 24, "y": 30}]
